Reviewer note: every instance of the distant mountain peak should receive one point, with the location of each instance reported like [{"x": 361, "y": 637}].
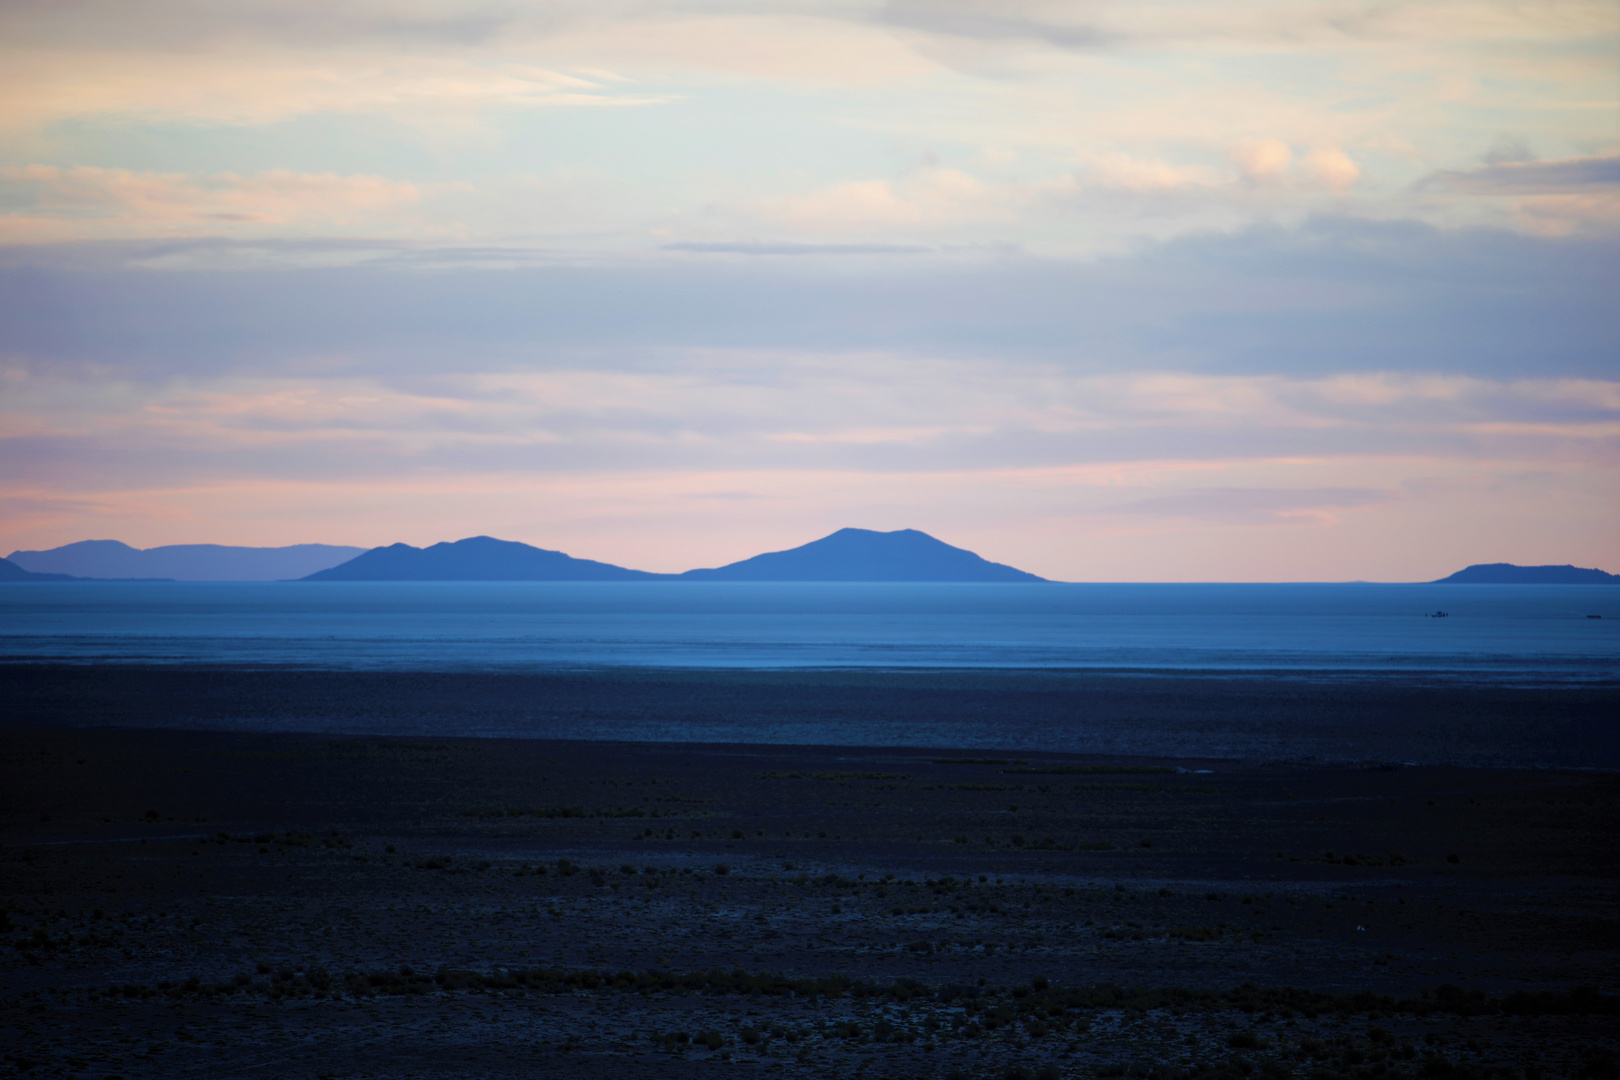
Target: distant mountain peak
[
  {"x": 1510, "y": 574},
  {"x": 475, "y": 558},
  {"x": 867, "y": 555}
]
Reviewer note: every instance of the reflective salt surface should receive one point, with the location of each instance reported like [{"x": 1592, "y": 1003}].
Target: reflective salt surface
[{"x": 1493, "y": 633}]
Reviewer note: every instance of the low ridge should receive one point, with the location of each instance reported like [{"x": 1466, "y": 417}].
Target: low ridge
[
  {"x": 114, "y": 560},
  {"x": 10, "y": 571},
  {"x": 477, "y": 558},
  {"x": 1509, "y": 574}
]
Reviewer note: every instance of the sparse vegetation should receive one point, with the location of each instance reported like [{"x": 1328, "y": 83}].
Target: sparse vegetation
[
  {"x": 1088, "y": 770},
  {"x": 830, "y": 774},
  {"x": 805, "y": 948}
]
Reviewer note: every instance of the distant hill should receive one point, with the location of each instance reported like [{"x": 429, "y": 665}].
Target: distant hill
[
  {"x": 864, "y": 555},
  {"x": 10, "y": 571},
  {"x": 184, "y": 562},
  {"x": 1508, "y": 574},
  {"x": 846, "y": 555},
  {"x": 477, "y": 558}
]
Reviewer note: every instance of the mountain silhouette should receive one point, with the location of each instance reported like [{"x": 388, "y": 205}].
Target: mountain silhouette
[
  {"x": 184, "y": 562},
  {"x": 10, "y": 571},
  {"x": 1508, "y": 574},
  {"x": 865, "y": 555},
  {"x": 846, "y": 555},
  {"x": 477, "y": 558}
]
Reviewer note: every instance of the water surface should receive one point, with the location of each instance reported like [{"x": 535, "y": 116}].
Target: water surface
[{"x": 1511, "y": 633}]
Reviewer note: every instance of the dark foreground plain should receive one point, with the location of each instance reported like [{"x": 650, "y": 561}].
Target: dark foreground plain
[{"x": 275, "y": 904}]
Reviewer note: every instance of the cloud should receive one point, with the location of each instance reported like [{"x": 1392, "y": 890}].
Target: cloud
[
  {"x": 1336, "y": 295},
  {"x": 1000, "y": 21},
  {"x": 232, "y": 84},
  {"x": 1516, "y": 177},
  {"x": 86, "y": 202},
  {"x": 930, "y": 197},
  {"x": 1099, "y": 126},
  {"x": 1552, "y": 197},
  {"x": 1109, "y": 189},
  {"x": 1262, "y": 160},
  {"x": 171, "y": 23},
  {"x": 1332, "y": 167},
  {"x": 1312, "y": 505},
  {"x": 1122, "y": 172},
  {"x": 1104, "y": 469},
  {"x": 1269, "y": 161},
  {"x": 1508, "y": 148},
  {"x": 494, "y": 254},
  {"x": 746, "y": 410},
  {"x": 755, "y": 247},
  {"x": 1276, "y": 23},
  {"x": 488, "y": 23},
  {"x": 427, "y": 63}
]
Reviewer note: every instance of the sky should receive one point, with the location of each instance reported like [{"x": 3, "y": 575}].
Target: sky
[{"x": 1191, "y": 290}]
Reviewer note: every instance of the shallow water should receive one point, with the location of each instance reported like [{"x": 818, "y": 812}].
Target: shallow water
[{"x": 1494, "y": 633}]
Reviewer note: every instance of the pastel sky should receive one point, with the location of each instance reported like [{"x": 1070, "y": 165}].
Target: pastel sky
[{"x": 1182, "y": 290}]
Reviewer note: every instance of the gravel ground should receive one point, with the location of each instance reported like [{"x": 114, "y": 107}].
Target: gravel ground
[{"x": 195, "y": 903}]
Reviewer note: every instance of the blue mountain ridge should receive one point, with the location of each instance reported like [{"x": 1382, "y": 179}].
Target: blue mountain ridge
[
  {"x": 112, "y": 559},
  {"x": 846, "y": 555},
  {"x": 1508, "y": 574},
  {"x": 852, "y": 555},
  {"x": 477, "y": 558},
  {"x": 10, "y": 571}
]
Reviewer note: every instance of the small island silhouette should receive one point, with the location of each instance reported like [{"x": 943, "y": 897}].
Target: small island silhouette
[{"x": 1508, "y": 574}]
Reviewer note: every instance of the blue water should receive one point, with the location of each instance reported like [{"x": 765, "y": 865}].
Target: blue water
[{"x": 1516, "y": 633}]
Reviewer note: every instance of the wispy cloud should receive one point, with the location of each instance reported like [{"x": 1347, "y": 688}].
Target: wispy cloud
[
  {"x": 1531, "y": 177},
  {"x": 83, "y": 202},
  {"x": 1302, "y": 505},
  {"x": 1338, "y": 296},
  {"x": 757, "y": 247},
  {"x": 1555, "y": 197},
  {"x": 1124, "y": 281},
  {"x": 1279, "y": 23}
]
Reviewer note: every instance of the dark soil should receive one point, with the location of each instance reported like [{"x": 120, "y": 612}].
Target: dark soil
[{"x": 182, "y": 903}]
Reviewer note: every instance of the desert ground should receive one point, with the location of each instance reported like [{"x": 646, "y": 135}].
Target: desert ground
[{"x": 289, "y": 905}]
